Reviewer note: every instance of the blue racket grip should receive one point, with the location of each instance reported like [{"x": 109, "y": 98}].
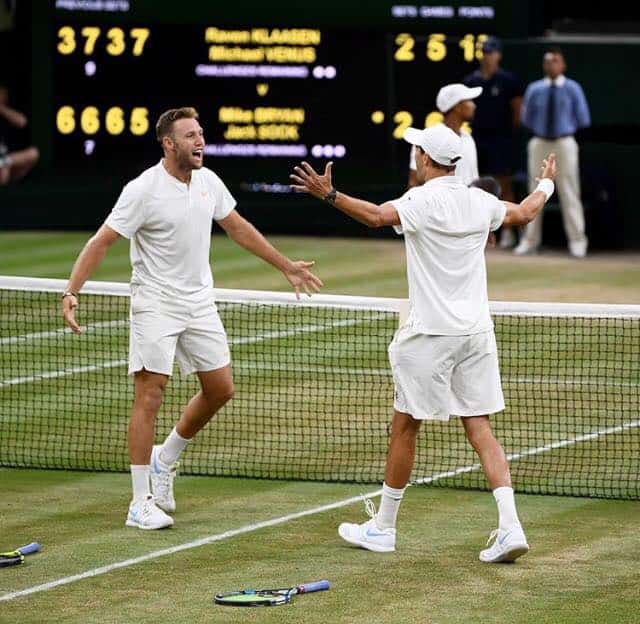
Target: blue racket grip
[
  {"x": 313, "y": 587},
  {"x": 29, "y": 549}
]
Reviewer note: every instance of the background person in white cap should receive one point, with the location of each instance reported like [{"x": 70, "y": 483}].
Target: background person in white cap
[
  {"x": 495, "y": 122},
  {"x": 455, "y": 101},
  {"x": 444, "y": 357}
]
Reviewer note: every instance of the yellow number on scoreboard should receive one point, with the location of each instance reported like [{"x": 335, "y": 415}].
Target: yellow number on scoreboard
[
  {"x": 405, "y": 43},
  {"x": 91, "y": 33},
  {"x": 472, "y": 47},
  {"x": 140, "y": 35},
  {"x": 90, "y": 120},
  {"x": 139, "y": 121},
  {"x": 114, "y": 120},
  {"x": 433, "y": 118},
  {"x": 480, "y": 39},
  {"x": 67, "y": 43},
  {"x": 436, "y": 47},
  {"x": 117, "y": 45},
  {"x": 65, "y": 120},
  {"x": 403, "y": 120}
]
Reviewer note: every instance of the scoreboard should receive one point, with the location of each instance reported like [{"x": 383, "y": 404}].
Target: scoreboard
[{"x": 273, "y": 85}]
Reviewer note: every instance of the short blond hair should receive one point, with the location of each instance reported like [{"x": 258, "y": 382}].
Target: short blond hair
[{"x": 164, "y": 127}]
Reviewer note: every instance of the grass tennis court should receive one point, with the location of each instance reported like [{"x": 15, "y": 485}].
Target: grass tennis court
[{"x": 581, "y": 568}]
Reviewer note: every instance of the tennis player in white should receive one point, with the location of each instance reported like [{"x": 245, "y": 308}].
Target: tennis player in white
[
  {"x": 444, "y": 358},
  {"x": 167, "y": 213}
]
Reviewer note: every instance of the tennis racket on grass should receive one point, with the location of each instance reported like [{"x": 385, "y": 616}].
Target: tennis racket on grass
[
  {"x": 267, "y": 597},
  {"x": 16, "y": 557}
]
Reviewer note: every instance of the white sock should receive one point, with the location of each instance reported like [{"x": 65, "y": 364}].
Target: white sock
[
  {"x": 389, "y": 505},
  {"x": 507, "y": 514},
  {"x": 172, "y": 447},
  {"x": 140, "y": 482}
]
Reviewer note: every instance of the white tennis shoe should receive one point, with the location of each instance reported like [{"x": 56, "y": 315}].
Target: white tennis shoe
[
  {"x": 368, "y": 535},
  {"x": 162, "y": 477},
  {"x": 507, "y": 546},
  {"x": 145, "y": 514}
]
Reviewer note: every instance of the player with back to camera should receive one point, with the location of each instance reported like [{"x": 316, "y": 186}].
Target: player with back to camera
[
  {"x": 167, "y": 213},
  {"x": 444, "y": 358}
]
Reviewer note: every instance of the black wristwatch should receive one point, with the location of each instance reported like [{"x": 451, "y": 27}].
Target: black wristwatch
[
  {"x": 330, "y": 196},
  {"x": 69, "y": 293}
]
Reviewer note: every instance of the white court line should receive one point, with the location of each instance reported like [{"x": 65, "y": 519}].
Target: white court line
[
  {"x": 62, "y": 373},
  {"x": 113, "y": 364},
  {"x": 249, "y": 528},
  {"x": 374, "y": 372},
  {"x": 57, "y": 332}
]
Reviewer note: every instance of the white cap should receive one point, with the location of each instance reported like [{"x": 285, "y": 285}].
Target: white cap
[
  {"x": 453, "y": 94},
  {"x": 441, "y": 143}
]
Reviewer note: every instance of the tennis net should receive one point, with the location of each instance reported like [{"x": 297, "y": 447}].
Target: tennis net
[{"x": 314, "y": 391}]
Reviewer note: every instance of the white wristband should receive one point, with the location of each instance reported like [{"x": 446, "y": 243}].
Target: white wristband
[{"x": 547, "y": 186}]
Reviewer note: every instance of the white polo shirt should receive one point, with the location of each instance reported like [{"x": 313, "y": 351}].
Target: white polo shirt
[
  {"x": 169, "y": 225},
  {"x": 467, "y": 167},
  {"x": 445, "y": 226}
]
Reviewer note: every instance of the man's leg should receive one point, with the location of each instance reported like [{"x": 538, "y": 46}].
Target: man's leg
[
  {"x": 510, "y": 540},
  {"x": 492, "y": 456},
  {"x": 216, "y": 389},
  {"x": 568, "y": 188},
  {"x": 379, "y": 533},
  {"x": 148, "y": 391},
  {"x": 400, "y": 460},
  {"x": 402, "y": 450}
]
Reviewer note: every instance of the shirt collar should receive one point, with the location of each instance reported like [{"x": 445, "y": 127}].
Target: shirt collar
[
  {"x": 559, "y": 81},
  {"x": 445, "y": 179},
  {"x": 172, "y": 178}
]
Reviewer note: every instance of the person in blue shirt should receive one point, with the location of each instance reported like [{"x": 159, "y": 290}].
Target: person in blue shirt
[
  {"x": 497, "y": 116},
  {"x": 553, "y": 109}
]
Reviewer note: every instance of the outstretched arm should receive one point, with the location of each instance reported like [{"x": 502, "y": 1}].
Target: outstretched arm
[
  {"x": 14, "y": 117},
  {"x": 87, "y": 262},
  {"x": 247, "y": 236},
  {"x": 308, "y": 181},
  {"x": 527, "y": 210}
]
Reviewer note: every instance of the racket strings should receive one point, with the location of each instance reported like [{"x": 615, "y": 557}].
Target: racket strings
[{"x": 11, "y": 559}]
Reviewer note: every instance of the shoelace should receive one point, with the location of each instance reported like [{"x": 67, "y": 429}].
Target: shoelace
[
  {"x": 369, "y": 506},
  {"x": 164, "y": 478},
  {"x": 145, "y": 510},
  {"x": 493, "y": 536}
]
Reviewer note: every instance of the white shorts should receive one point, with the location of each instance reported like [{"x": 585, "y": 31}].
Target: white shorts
[
  {"x": 439, "y": 376},
  {"x": 163, "y": 329}
]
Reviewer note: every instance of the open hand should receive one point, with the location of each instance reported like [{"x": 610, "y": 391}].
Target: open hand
[
  {"x": 548, "y": 169},
  {"x": 309, "y": 181},
  {"x": 299, "y": 277}
]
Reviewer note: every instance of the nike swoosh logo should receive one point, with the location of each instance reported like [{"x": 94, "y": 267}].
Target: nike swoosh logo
[{"x": 371, "y": 533}]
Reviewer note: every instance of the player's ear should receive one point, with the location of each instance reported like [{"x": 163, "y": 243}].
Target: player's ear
[{"x": 167, "y": 143}]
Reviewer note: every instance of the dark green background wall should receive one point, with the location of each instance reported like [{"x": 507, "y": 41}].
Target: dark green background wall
[{"x": 610, "y": 150}]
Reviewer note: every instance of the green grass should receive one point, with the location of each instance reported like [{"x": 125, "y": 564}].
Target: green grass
[
  {"x": 348, "y": 266},
  {"x": 582, "y": 567}
]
